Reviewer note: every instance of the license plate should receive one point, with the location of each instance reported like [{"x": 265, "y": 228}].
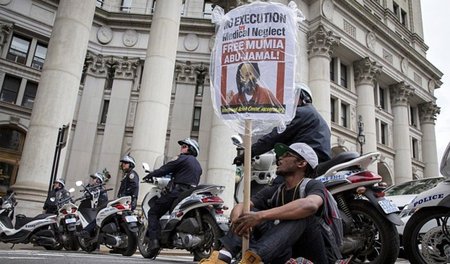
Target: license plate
[
  {"x": 221, "y": 219},
  {"x": 130, "y": 218},
  {"x": 71, "y": 220},
  {"x": 388, "y": 207}
]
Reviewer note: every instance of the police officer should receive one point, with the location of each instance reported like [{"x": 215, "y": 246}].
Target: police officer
[
  {"x": 129, "y": 186},
  {"x": 186, "y": 171},
  {"x": 308, "y": 126},
  {"x": 58, "y": 190}
]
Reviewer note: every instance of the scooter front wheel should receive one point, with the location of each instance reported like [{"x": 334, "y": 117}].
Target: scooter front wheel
[
  {"x": 426, "y": 238},
  {"x": 143, "y": 245}
]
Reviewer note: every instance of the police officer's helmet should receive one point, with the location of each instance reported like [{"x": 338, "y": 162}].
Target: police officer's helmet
[
  {"x": 60, "y": 181},
  {"x": 304, "y": 92},
  {"x": 98, "y": 175},
  {"x": 194, "y": 148},
  {"x": 128, "y": 159}
]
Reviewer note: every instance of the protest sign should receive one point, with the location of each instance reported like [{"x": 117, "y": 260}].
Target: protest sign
[{"x": 254, "y": 63}]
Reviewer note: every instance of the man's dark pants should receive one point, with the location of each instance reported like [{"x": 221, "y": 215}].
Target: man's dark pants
[{"x": 274, "y": 243}]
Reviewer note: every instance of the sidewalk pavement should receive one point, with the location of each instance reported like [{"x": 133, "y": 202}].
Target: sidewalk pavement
[{"x": 103, "y": 249}]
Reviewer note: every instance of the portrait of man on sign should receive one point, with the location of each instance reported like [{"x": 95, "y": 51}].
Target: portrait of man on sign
[{"x": 250, "y": 92}]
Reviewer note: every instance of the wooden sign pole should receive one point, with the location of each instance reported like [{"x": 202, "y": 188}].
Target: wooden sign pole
[{"x": 247, "y": 174}]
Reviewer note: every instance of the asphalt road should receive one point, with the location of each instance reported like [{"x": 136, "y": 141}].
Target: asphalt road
[{"x": 27, "y": 254}]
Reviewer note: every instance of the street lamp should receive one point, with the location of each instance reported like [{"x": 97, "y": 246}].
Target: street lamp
[{"x": 361, "y": 137}]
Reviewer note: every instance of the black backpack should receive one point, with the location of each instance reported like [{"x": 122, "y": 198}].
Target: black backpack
[{"x": 331, "y": 223}]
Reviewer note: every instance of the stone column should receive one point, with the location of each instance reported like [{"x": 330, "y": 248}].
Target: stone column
[
  {"x": 152, "y": 114},
  {"x": 366, "y": 72},
  {"x": 87, "y": 120},
  {"x": 400, "y": 93},
  {"x": 111, "y": 148},
  {"x": 428, "y": 112},
  {"x": 321, "y": 44},
  {"x": 55, "y": 100},
  {"x": 183, "y": 106},
  {"x": 221, "y": 154}
]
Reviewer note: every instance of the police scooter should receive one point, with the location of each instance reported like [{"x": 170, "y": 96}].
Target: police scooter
[
  {"x": 195, "y": 222},
  {"x": 115, "y": 226},
  {"x": 38, "y": 230},
  {"x": 426, "y": 237}
]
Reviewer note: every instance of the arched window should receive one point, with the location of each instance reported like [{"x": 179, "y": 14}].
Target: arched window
[{"x": 11, "y": 145}]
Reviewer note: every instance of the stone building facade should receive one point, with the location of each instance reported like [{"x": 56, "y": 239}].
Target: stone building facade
[{"x": 120, "y": 76}]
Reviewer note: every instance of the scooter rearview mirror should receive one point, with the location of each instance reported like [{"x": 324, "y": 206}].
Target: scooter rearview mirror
[
  {"x": 146, "y": 166},
  {"x": 79, "y": 183},
  {"x": 237, "y": 140},
  {"x": 71, "y": 190}
]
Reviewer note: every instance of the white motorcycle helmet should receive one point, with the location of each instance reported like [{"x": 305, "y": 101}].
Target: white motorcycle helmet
[
  {"x": 128, "y": 159},
  {"x": 98, "y": 175},
  {"x": 194, "y": 148},
  {"x": 304, "y": 92}
]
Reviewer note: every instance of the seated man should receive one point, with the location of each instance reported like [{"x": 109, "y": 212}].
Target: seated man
[{"x": 279, "y": 218}]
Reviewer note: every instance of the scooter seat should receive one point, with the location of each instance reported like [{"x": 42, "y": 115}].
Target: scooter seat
[
  {"x": 22, "y": 220},
  {"x": 340, "y": 158},
  {"x": 186, "y": 194}
]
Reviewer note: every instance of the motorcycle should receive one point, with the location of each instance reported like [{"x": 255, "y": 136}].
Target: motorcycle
[
  {"x": 195, "y": 222},
  {"x": 369, "y": 219},
  {"x": 38, "y": 230},
  {"x": 7, "y": 205},
  {"x": 426, "y": 237},
  {"x": 115, "y": 225},
  {"x": 68, "y": 220},
  {"x": 262, "y": 173}
]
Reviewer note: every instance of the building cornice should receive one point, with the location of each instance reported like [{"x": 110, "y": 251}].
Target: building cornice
[{"x": 384, "y": 32}]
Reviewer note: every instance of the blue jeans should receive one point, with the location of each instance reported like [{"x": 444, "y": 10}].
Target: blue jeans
[{"x": 274, "y": 243}]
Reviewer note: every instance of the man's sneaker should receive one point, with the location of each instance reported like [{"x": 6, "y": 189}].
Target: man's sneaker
[
  {"x": 250, "y": 257},
  {"x": 299, "y": 260},
  {"x": 213, "y": 259}
]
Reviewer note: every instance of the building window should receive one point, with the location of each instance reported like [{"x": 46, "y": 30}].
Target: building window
[
  {"x": 383, "y": 133},
  {"x": 413, "y": 116},
  {"x": 18, "y": 50},
  {"x": 39, "y": 56},
  {"x": 333, "y": 109},
  {"x": 382, "y": 97},
  {"x": 196, "y": 119},
  {"x": 395, "y": 8},
  {"x": 415, "y": 148},
  {"x": 332, "y": 70},
  {"x": 343, "y": 76},
  {"x": 403, "y": 17},
  {"x": 153, "y": 6},
  {"x": 126, "y": 6},
  {"x": 10, "y": 89},
  {"x": 104, "y": 112},
  {"x": 344, "y": 115},
  {"x": 207, "y": 9},
  {"x": 11, "y": 139},
  {"x": 29, "y": 94}
]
